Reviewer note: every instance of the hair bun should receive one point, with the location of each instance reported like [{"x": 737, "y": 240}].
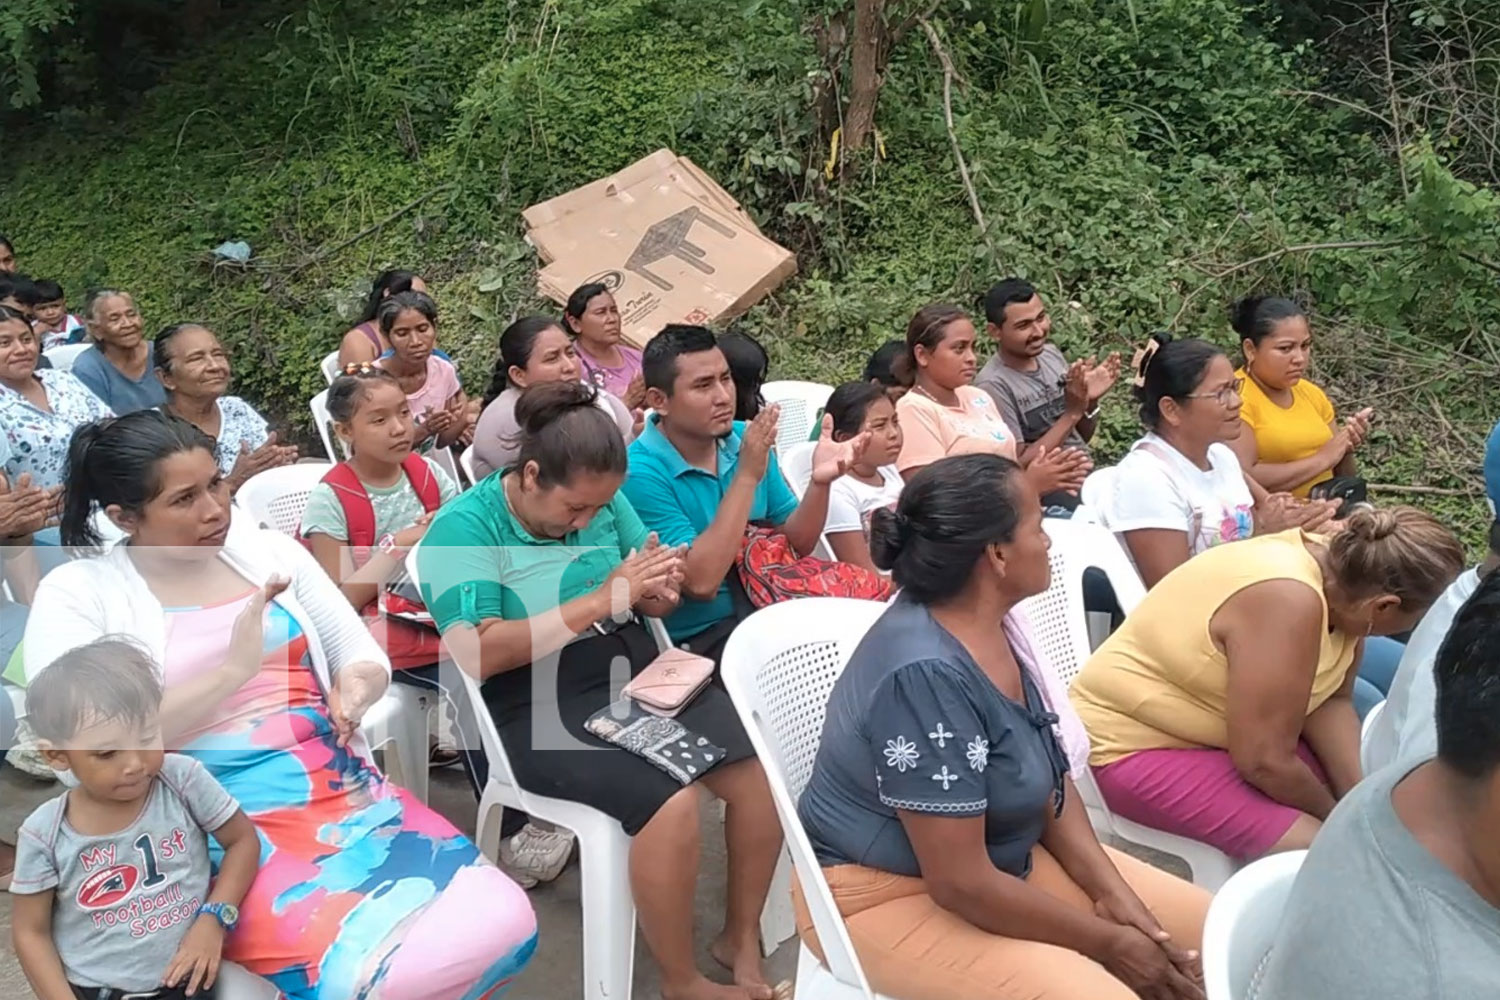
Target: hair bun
[
  {"x": 889, "y": 532},
  {"x": 1373, "y": 524},
  {"x": 544, "y": 402}
]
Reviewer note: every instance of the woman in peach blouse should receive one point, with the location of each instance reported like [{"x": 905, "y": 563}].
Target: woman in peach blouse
[{"x": 944, "y": 414}]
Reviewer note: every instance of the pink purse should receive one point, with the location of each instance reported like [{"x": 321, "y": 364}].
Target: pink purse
[{"x": 670, "y": 682}]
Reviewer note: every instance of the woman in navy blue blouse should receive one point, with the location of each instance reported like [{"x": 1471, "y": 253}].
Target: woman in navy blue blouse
[{"x": 940, "y": 804}]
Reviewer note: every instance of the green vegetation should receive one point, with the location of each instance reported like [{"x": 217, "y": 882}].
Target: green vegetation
[{"x": 1142, "y": 161}]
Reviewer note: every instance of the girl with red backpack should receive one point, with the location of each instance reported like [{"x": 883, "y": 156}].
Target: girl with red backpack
[{"x": 370, "y": 510}]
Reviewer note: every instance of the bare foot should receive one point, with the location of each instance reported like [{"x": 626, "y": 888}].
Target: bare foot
[
  {"x": 744, "y": 963},
  {"x": 703, "y": 989}
]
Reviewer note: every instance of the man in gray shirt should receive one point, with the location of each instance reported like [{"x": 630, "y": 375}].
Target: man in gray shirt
[{"x": 1399, "y": 897}]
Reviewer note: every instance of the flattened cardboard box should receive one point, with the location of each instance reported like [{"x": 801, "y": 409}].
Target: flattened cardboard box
[
  {"x": 560, "y": 224},
  {"x": 668, "y": 256}
]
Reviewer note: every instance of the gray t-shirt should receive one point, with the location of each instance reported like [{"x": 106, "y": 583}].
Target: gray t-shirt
[
  {"x": 1030, "y": 402},
  {"x": 125, "y": 900},
  {"x": 1374, "y": 916},
  {"x": 915, "y": 724},
  {"x": 119, "y": 392}
]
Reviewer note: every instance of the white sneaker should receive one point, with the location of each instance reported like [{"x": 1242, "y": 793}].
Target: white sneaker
[{"x": 536, "y": 855}]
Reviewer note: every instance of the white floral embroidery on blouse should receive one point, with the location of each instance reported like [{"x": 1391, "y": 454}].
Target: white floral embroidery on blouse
[
  {"x": 238, "y": 423},
  {"x": 38, "y": 440},
  {"x": 945, "y": 777},
  {"x": 901, "y": 753},
  {"x": 940, "y": 737},
  {"x": 978, "y": 752}
]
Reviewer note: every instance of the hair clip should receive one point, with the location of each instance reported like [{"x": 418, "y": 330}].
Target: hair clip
[
  {"x": 360, "y": 368},
  {"x": 1142, "y": 360}
]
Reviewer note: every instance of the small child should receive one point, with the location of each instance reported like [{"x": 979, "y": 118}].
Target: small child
[
  {"x": 51, "y": 321},
  {"x": 112, "y": 890}
]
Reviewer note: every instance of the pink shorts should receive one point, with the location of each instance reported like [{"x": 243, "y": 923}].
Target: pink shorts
[{"x": 1198, "y": 794}]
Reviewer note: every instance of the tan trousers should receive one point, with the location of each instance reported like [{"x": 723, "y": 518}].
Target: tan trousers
[{"x": 912, "y": 949}]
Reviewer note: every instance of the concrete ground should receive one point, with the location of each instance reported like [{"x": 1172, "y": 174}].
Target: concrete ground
[{"x": 555, "y": 973}]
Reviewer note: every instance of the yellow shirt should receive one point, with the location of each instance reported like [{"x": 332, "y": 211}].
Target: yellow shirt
[
  {"x": 930, "y": 430},
  {"x": 1288, "y": 434},
  {"x": 1161, "y": 682}
]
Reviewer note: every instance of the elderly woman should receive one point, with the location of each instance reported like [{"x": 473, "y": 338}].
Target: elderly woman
[
  {"x": 118, "y": 369},
  {"x": 194, "y": 368},
  {"x": 941, "y": 804},
  {"x": 1222, "y": 710},
  {"x": 363, "y": 891}
]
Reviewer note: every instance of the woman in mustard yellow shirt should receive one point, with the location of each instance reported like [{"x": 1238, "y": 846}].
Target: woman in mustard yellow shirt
[
  {"x": 1222, "y": 711},
  {"x": 1296, "y": 442}
]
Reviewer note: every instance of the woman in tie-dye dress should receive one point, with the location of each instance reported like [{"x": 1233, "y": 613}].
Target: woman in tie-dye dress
[{"x": 363, "y": 891}]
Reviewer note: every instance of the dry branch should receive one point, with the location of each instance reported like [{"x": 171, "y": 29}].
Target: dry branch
[{"x": 949, "y": 73}]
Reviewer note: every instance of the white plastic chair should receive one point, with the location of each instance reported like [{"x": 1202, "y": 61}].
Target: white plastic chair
[
  {"x": 780, "y": 666},
  {"x": 63, "y": 355},
  {"x": 330, "y": 367},
  {"x": 1060, "y": 622},
  {"x": 796, "y": 465},
  {"x": 1242, "y": 923},
  {"x": 324, "y": 422},
  {"x": 276, "y": 499},
  {"x": 603, "y": 845},
  {"x": 800, "y": 403},
  {"x": 235, "y": 983},
  {"x": 466, "y": 463},
  {"x": 443, "y": 458},
  {"x": 1372, "y": 749}
]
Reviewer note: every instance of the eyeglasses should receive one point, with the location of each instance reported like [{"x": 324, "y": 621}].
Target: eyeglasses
[{"x": 1225, "y": 394}]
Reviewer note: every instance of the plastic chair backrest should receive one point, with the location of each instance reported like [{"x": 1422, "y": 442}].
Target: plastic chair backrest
[
  {"x": 443, "y": 459},
  {"x": 779, "y": 667},
  {"x": 324, "y": 422},
  {"x": 277, "y": 497},
  {"x": 1373, "y": 753},
  {"x": 796, "y": 465},
  {"x": 466, "y": 462},
  {"x": 330, "y": 366},
  {"x": 63, "y": 355},
  {"x": 1242, "y": 923},
  {"x": 1058, "y": 614},
  {"x": 1096, "y": 492},
  {"x": 800, "y": 403}
]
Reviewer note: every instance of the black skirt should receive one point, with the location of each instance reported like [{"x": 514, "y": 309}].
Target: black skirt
[{"x": 541, "y": 723}]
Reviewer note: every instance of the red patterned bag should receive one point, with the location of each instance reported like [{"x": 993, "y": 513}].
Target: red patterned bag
[{"x": 771, "y": 571}]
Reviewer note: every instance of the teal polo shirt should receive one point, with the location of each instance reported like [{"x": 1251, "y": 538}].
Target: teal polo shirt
[
  {"x": 678, "y": 502},
  {"x": 477, "y": 561}
]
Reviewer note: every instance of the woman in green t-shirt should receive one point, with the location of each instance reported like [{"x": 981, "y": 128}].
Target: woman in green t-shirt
[{"x": 524, "y": 573}]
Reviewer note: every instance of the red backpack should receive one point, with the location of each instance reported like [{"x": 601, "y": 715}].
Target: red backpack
[
  {"x": 407, "y": 643},
  {"x": 771, "y": 571}
]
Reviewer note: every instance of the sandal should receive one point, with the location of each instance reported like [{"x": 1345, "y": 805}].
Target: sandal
[{"x": 441, "y": 755}]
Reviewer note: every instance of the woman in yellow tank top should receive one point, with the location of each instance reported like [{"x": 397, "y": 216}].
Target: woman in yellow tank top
[
  {"x": 1221, "y": 709},
  {"x": 1295, "y": 442}
]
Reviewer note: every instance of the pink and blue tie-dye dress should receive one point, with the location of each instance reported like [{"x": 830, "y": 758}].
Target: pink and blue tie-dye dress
[{"x": 363, "y": 893}]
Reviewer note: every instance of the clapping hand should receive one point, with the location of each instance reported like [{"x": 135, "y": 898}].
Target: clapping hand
[
  {"x": 670, "y": 591},
  {"x": 1282, "y": 511},
  {"x": 1102, "y": 377},
  {"x": 1059, "y": 469},
  {"x": 1358, "y": 427},
  {"x": 757, "y": 441},
  {"x": 831, "y": 459},
  {"x": 247, "y": 645},
  {"x": 1076, "y": 387},
  {"x": 635, "y": 393},
  {"x": 270, "y": 455},
  {"x": 644, "y": 574},
  {"x": 25, "y": 509}
]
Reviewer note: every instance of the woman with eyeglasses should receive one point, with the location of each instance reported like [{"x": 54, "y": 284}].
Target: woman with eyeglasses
[{"x": 1181, "y": 490}]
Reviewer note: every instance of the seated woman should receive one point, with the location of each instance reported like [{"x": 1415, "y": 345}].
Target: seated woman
[
  {"x": 364, "y": 342},
  {"x": 610, "y": 364},
  {"x": 1295, "y": 442},
  {"x": 39, "y": 410},
  {"x": 879, "y": 368},
  {"x": 118, "y": 368},
  {"x": 748, "y": 366},
  {"x": 940, "y": 803},
  {"x": 533, "y": 350},
  {"x": 194, "y": 369},
  {"x": 368, "y": 512},
  {"x": 409, "y": 322},
  {"x": 523, "y": 574},
  {"x": 944, "y": 415},
  {"x": 268, "y": 671},
  {"x": 1221, "y": 710},
  {"x": 871, "y": 484}
]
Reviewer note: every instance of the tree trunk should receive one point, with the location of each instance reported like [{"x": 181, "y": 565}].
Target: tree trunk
[{"x": 866, "y": 69}]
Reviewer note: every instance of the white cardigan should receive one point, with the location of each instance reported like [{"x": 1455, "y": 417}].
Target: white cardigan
[{"x": 105, "y": 595}]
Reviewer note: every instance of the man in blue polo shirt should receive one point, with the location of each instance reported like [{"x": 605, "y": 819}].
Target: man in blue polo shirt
[{"x": 698, "y": 477}]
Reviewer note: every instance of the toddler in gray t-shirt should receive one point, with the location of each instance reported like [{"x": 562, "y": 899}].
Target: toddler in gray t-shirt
[{"x": 112, "y": 879}]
